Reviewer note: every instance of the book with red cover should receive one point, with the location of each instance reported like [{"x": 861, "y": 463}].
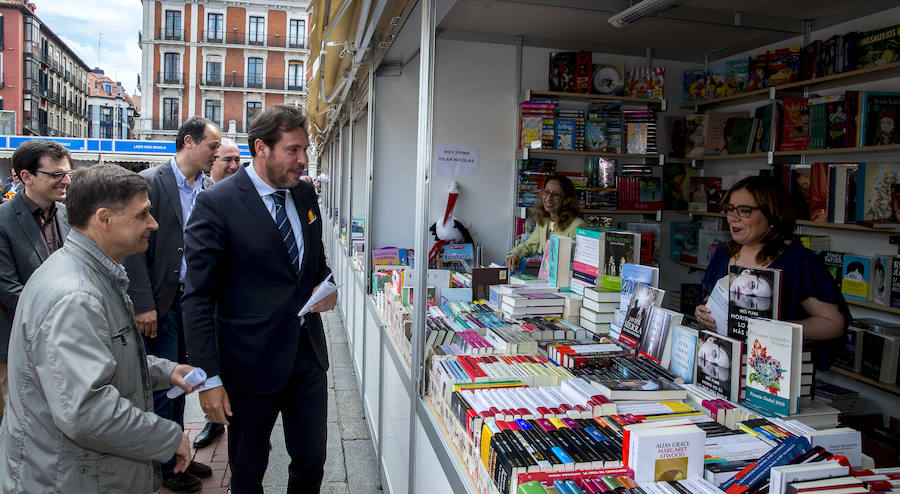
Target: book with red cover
[
  {"x": 583, "y": 69},
  {"x": 795, "y": 125},
  {"x": 818, "y": 194}
]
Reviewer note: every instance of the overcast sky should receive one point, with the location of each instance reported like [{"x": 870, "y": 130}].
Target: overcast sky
[{"x": 80, "y": 23}]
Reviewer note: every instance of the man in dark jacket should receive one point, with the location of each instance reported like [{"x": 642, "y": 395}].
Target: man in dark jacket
[
  {"x": 34, "y": 226},
  {"x": 157, "y": 276}
]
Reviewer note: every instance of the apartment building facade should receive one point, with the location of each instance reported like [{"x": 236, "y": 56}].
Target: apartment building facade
[
  {"x": 223, "y": 59},
  {"x": 43, "y": 83},
  {"x": 111, "y": 111}
]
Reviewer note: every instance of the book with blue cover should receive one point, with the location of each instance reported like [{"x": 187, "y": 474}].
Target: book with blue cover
[
  {"x": 632, "y": 274},
  {"x": 855, "y": 277},
  {"x": 684, "y": 353},
  {"x": 564, "y": 137}
]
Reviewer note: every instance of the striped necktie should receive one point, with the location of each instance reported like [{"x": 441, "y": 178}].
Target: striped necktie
[{"x": 284, "y": 227}]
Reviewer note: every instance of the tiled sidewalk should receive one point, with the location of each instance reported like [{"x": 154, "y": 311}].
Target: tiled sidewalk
[{"x": 351, "y": 465}]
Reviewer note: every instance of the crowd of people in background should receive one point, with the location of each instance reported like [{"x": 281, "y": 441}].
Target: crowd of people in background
[{"x": 115, "y": 286}]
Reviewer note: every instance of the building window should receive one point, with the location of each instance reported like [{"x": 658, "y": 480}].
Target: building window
[
  {"x": 213, "y": 73},
  {"x": 253, "y": 109},
  {"x": 257, "y": 33},
  {"x": 170, "y": 114},
  {"x": 297, "y": 34},
  {"x": 215, "y": 28},
  {"x": 213, "y": 110},
  {"x": 295, "y": 76},
  {"x": 173, "y": 25},
  {"x": 171, "y": 63},
  {"x": 254, "y": 72}
]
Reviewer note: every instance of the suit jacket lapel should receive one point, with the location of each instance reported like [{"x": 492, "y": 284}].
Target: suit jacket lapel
[
  {"x": 30, "y": 228},
  {"x": 62, "y": 219},
  {"x": 257, "y": 209},
  {"x": 167, "y": 177},
  {"x": 302, "y": 208}
]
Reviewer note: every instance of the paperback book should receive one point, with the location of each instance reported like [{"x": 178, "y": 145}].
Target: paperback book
[
  {"x": 718, "y": 365},
  {"x": 753, "y": 293},
  {"x": 774, "y": 360},
  {"x": 637, "y": 315},
  {"x": 656, "y": 340},
  {"x": 855, "y": 277},
  {"x": 684, "y": 353}
]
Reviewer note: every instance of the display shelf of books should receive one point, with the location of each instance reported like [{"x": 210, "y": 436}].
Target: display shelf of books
[
  {"x": 732, "y": 156},
  {"x": 819, "y": 224},
  {"x": 862, "y": 149},
  {"x": 620, "y": 211},
  {"x": 893, "y": 388},
  {"x": 594, "y": 97},
  {"x": 526, "y": 152},
  {"x": 842, "y": 79},
  {"x": 873, "y": 306}
]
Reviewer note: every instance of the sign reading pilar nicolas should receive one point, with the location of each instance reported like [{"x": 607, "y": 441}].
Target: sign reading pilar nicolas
[{"x": 456, "y": 160}]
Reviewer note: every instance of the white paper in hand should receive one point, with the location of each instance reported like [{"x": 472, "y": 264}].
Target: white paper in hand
[
  {"x": 325, "y": 289},
  {"x": 193, "y": 378}
]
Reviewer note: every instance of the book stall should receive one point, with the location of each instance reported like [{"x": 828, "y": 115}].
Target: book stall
[{"x": 583, "y": 370}]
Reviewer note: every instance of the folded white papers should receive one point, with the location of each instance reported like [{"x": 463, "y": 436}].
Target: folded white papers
[
  {"x": 325, "y": 289},
  {"x": 193, "y": 378}
]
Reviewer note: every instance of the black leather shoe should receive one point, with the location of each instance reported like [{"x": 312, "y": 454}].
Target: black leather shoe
[
  {"x": 210, "y": 431},
  {"x": 199, "y": 470},
  {"x": 182, "y": 483}
]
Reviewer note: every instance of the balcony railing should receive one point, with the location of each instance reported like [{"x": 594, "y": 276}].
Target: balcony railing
[
  {"x": 170, "y": 78},
  {"x": 242, "y": 38},
  {"x": 170, "y": 124},
  {"x": 170, "y": 34},
  {"x": 251, "y": 82},
  {"x": 212, "y": 36}
]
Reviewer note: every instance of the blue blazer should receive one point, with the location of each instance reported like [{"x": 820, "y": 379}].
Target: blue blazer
[{"x": 241, "y": 294}]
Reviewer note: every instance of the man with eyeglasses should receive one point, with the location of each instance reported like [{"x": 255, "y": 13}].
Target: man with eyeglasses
[{"x": 34, "y": 226}]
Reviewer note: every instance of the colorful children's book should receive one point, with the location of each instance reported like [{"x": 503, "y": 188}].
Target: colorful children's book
[
  {"x": 880, "y": 120},
  {"x": 645, "y": 82},
  {"x": 855, "y": 277},
  {"x": 774, "y": 357},
  {"x": 694, "y": 85},
  {"x": 715, "y": 82}
]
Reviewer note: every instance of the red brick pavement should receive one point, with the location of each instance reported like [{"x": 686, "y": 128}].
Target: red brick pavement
[{"x": 216, "y": 456}]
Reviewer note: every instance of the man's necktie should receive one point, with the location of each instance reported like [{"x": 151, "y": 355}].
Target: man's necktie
[{"x": 284, "y": 227}]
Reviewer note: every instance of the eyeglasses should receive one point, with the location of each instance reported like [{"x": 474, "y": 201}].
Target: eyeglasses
[
  {"x": 552, "y": 195},
  {"x": 57, "y": 175},
  {"x": 742, "y": 211}
]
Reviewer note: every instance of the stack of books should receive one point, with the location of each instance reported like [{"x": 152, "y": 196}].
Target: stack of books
[
  {"x": 598, "y": 309},
  {"x": 835, "y": 396}
]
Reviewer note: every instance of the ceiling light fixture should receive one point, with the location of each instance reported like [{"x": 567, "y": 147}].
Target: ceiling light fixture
[{"x": 639, "y": 11}]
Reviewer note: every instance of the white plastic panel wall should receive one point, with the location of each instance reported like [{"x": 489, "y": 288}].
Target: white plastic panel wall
[{"x": 395, "y": 423}]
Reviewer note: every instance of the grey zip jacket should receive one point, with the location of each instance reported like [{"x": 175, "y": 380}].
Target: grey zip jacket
[{"x": 80, "y": 412}]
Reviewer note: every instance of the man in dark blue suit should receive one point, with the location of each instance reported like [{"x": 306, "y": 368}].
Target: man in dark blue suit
[{"x": 254, "y": 255}]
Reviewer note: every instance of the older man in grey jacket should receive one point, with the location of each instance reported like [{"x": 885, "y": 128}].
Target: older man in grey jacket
[{"x": 80, "y": 411}]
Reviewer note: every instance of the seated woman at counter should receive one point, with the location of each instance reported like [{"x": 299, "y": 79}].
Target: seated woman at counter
[
  {"x": 556, "y": 212},
  {"x": 761, "y": 219}
]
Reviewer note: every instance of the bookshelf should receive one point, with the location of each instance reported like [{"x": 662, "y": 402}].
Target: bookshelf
[
  {"x": 529, "y": 94},
  {"x": 818, "y": 224},
  {"x": 620, "y": 211},
  {"x": 892, "y": 388},
  {"x": 525, "y": 153},
  {"x": 872, "y": 305},
  {"x": 826, "y": 82}
]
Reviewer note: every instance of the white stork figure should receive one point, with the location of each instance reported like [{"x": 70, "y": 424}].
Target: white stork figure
[{"x": 448, "y": 229}]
